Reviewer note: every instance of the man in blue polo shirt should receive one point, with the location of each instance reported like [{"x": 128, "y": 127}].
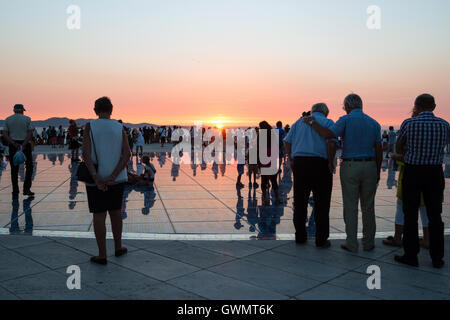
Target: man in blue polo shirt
[
  {"x": 360, "y": 170},
  {"x": 312, "y": 164}
]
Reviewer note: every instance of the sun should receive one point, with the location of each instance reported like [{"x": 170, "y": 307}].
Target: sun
[{"x": 220, "y": 126}]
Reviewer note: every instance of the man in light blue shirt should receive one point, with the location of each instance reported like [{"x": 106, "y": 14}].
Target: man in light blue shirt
[
  {"x": 360, "y": 170},
  {"x": 312, "y": 163}
]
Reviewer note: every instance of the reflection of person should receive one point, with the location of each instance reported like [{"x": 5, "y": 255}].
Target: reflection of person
[
  {"x": 18, "y": 132},
  {"x": 73, "y": 191},
  {"x": 105, "y": 143},
  {"x": 423, "y": 138},
  {"x": 14, "y": 224}
]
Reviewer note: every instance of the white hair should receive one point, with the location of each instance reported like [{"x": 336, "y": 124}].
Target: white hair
[{"x": 320, "y": 107}]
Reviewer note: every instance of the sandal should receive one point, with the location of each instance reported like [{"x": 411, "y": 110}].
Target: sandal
[
  {"x": 98, "y": 260},
  {"x": 121, "y": 252},
  {"x": 390, "y": 241}
]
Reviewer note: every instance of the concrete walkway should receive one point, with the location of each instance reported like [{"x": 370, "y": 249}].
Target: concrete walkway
[{"x": 35, "y": 268}]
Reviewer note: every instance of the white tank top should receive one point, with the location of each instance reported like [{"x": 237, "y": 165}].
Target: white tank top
[{"x": 107, "y": 136}]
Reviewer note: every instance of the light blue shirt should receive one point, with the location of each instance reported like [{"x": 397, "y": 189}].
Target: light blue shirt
[
  {"x": 305, "y": 141},
  {"x": 359, "y": 133}
]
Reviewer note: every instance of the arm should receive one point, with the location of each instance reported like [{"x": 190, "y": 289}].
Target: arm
[
  {"x": 379, "y": 158},
  {"x": 331, "y": 153},
  {"x": 9, "y": 140},
  {"x": 88, "y": 160},
  {"x": 125, "y": 157},
  {"x": 288, "y": 147},
  {"x": 322, "y": 131},
  {"x": 28, "y": 138}
]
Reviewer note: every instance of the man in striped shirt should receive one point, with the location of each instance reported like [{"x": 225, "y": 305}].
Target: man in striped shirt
[{"x": 424, "y": 138}]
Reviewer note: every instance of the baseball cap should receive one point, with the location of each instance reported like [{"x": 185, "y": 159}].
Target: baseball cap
[{"x": 19, "y": 107}]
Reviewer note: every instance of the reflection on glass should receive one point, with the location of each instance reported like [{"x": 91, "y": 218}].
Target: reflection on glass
[
  {"x": 149, "y": 198},
  {"x": 447, "y": 171},
  {"x": 27, "y": 212},
  {"x": 73, "y": 191}
]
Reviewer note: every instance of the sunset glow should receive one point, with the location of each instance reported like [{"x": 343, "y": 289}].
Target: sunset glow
[{"x": 222, "y": 62}]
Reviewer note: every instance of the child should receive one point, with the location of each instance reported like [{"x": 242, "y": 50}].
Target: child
[
  {"x": 396, "y": 240},
  {"x": 147, "y": 177}
]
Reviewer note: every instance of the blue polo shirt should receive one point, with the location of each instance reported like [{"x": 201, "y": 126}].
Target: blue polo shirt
[
  {"x": 305, "y": 141},
  {"x": 359, "y": 133}
]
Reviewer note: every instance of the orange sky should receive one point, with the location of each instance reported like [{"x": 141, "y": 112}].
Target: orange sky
[{"x": 239, "y": 62}]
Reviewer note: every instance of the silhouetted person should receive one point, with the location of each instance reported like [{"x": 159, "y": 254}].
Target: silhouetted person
[
  {"x": 105, "y": 144},
  {"x": 18, "y": 132}
]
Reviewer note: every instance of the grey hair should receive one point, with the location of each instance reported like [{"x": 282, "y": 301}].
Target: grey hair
[
  {"x": 353, "y": 101},
  {"x": 321, "y": 107}
]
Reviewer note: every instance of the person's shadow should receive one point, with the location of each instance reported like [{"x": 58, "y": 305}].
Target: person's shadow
[
  {"x": 149, "y": 198},
  {"x": 73, "y": 191},
  {"x": 14, "y": 227}
]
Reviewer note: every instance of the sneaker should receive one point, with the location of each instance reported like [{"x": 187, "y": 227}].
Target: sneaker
[
  {"x": 28, "y": 193},
  {"x": 239, "y": 185}
]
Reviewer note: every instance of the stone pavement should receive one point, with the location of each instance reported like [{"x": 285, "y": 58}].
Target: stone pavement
[{"x": 35, "y": 268}]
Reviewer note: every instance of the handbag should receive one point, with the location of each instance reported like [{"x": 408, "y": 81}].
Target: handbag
[{"x": 83, "y": 173}]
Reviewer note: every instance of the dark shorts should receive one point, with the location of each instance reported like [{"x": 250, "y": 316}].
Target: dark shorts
[
  {"x": 73, "y": 144},
  {"x": 253, "y": 168},
  {"x": 109, "y": 200},
  {"x": 240, "y": 168}
]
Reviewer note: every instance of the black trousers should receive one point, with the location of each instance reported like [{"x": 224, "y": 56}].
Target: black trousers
[
  {"x": 15, "y": 169},
  {"x": 430, "y": 181},
  {"x": 312, "y": 175}
]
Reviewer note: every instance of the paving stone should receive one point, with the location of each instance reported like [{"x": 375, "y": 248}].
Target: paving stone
[
  {"x": 214, "y": 286},
  {"x": 304, "y": 268},
  {"x": 265, "y": 277},
  {"x": 390, "y": 289},
  {"x": 236, "y": 249},
  {"x": 50, "y": 285},
  {"x": 14, "y": 265},
  {"x": 154, "y": 265},
  {"x": 186, "y": 253},
  {"x": 329, "y": 292},
  {"x": 54, "y": 255},
  {"x": 18, "y": 241}
]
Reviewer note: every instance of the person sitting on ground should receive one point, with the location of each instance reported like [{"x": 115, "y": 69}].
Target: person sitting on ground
[{"x": 147, "y": 177}]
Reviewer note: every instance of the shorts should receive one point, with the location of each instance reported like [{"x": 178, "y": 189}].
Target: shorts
[
  {"x": 240, "y": 168},
  {"x": 253, "y": 168},
  {"x": 102, "y": 201},
  {"x": 73, "y": 144}
]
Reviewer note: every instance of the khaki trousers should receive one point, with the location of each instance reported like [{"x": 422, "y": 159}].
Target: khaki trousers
[{"x": 359, "y": 183}]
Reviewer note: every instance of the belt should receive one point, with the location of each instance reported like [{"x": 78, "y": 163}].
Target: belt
[{"x": 360, "y": 160}]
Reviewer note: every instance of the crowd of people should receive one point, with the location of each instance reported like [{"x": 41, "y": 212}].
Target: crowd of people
[{"x": 309, "y": 148}]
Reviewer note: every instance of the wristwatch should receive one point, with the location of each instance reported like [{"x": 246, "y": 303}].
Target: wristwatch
[{"x": 312, "y": 122}]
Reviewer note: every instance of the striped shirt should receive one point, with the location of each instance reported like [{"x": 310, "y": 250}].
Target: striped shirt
[{"x": 426, "y": 137}]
